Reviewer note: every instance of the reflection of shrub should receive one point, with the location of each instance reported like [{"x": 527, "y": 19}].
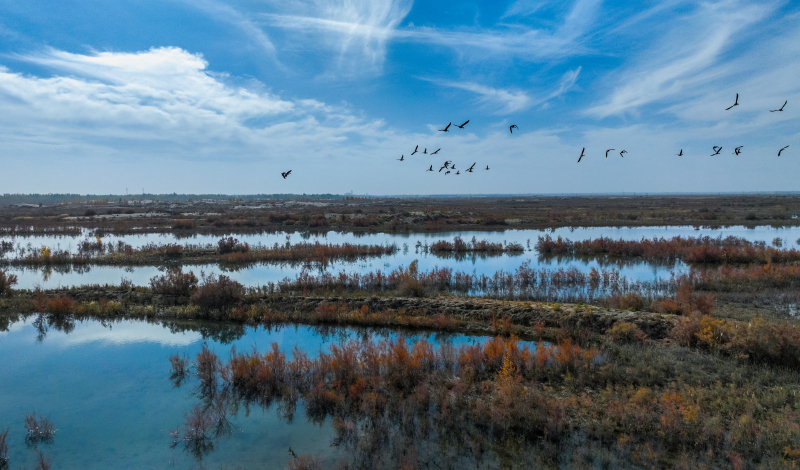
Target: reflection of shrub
[
  {"x": 630, "y": 301},
  {"x": 304, "y": 462},
  {"x": 7, "y": 281},
  {"x": 174, "y": 282},
  {"x": 217, "y": 292},
  {"x": 90, "y": 213}
]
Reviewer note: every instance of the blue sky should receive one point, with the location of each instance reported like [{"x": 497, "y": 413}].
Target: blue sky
[{"x": 220, "y": 96}]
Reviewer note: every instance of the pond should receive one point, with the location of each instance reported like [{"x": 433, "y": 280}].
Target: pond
[
  {"x": 106, "y": 387},
  {"x": 408, "y": 251}
]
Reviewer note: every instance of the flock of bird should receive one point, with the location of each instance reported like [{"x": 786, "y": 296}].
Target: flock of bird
[
  {"x": 717, "y": 149},
  {"x": 448, "y": 166}
]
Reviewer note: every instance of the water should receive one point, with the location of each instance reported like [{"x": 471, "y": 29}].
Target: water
[
  {"x": 407, "y": 252},
  {"x": 107, "y": 391}
]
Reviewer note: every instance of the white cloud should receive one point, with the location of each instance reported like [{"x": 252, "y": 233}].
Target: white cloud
[
  {"x": 357, "y": 30},
  {"x": 501, "y": 100},
  {"x": 688, "y": 58}
]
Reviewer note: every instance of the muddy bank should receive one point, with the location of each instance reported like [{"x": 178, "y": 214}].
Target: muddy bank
[{"x": 473, "y": 311}]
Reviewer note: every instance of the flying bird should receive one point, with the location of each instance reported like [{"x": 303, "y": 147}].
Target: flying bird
[
  {"x": 446, "y": 128},
  {"x": 425, "y": 151},
  {"x": 621, "y": 153},
  {"x": 286, "y": 174},
  {"x": 447, "y": 172},
  {"x": 470, "y": 168},
  {"x": 453, "y": 167},
  {"x": 680, "y": 154},
  {"x": 401, "y": 157},
  {"x": 781, "y": 108},
  {"x": 738, "y": 150},
  {"x": 462, "y": 125},
  {"x": 447, "y": 163},
  {"x": 608, "y": 151},
  {"x": 582, "y": 151},
  {"x": 717, "y": 150},
  {"x": 781, "y": 150},
  {"x": 487, "y": 167},
  {"x": 734, "y": 104},
  {"x": 512, "y": 127},
  {"x": 430, "y": 169},
  {"x": 415, "y": 150},
  {"x": 434, "y": 153},
  {"x": 442, "y": 168},
  {"x": 458, "y": 172}
]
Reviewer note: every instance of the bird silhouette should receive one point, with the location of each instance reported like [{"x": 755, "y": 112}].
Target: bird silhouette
[
  {"x": 415, "y": 150},
  {"x": 442, "y": 168},
  {"x": 453, "y": 167},
  {"x": 717, "y": 150},
  {"x": 286, "y": 174},
  {"x": 446, "y": 128},
  {"x": 401, "y": 157},
  {"x": 621, "y": 153},
  {"x": 582, "y": 151},
  {"x": 447, "y": 163},
  {"x": 425, "y": 151},
  {"x": 738, "y": 150},
  {"x": 487, "y": 167},
  {"x": 781, "y": 150},
  {"x": 434, "y": 153},
  {"x": 462, "y": 125},
  {"x": 470, "y": 168},
  {"x": 680, "y": 154},
  {"x": 512, "y": 127},
  {"x": 291, "y": 452},
  {"x": 447, "y": 172},
  {"x": 608, "y": 151},
  {"x": 734, "y": 104},
  {"x": 780, "y": 109},
  {"x": 430, "y": 169},
  {"x": 458, "y": 172}
]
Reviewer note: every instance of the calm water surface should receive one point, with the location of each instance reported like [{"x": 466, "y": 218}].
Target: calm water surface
[
  {"x": 108, "y": 392},
  {"x": 256, "y": 275}
]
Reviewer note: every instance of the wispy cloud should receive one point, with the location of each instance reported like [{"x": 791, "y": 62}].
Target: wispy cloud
[
  {"x": 371, "y": 28},
  {"x": 507, "y": 101},
  {"x": 691, "y": 56},
  {"x": 230, "y": 15},
  {"x": 357, "y": 30},
  {"x": 501, "y": 100}
]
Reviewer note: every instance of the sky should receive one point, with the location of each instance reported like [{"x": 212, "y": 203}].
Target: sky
[{"x": 222, "y": 96}]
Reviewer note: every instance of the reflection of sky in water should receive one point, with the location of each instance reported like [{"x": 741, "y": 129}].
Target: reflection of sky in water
[
  {"x": 259, "y": 275},
  {"x": 108, "y": 392}
]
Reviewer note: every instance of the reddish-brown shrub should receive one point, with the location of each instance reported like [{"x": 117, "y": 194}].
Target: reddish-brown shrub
[
  {"x": 174, "y": 282},
  {"x": 60, "y": 305},
  {"x": 217, "y": 292}
]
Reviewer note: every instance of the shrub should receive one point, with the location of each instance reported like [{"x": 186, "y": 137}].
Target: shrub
[
  {"x": 39, "y": 430},
  {"x": 183, "y": 224},
  {"x": 217, "y": 292},
  {"x": 7, "y": 281},
  {"x": 625, "y": 332},
  {"x": 3, "y": 449},
  {"x": 232, "y": 245},
  {"x": 174, "y": 282},
  {"x": 60, "y": 305},
  {"x": 631, "y": 301}
]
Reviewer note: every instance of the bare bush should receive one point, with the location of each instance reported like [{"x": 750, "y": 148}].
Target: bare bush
[
  {"x": 7, "y": 281},
  {"x": 174, "y": 282},
  {"x": 39, "y": 429},
  {"x": 217, "y": 292}
]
